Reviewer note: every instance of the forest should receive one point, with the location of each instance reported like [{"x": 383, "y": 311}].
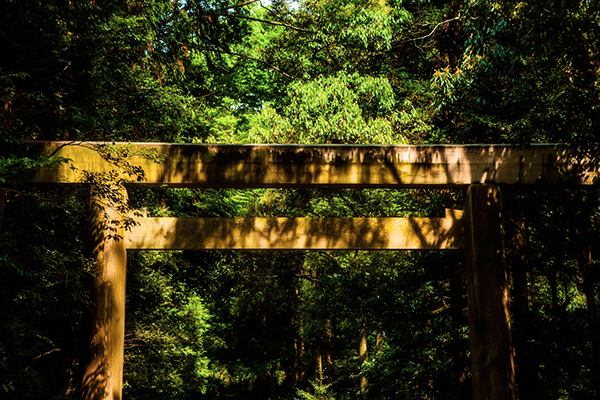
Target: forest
[{"x": 297, "y": 325}]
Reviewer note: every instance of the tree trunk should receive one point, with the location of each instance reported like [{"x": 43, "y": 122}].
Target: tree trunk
[
  {"x": 590, "y": 297},
  {"x": 492, "y": 363},
  {"x": 103, "y": 372},
  {"x": 379, "y": 340},
  {"x": 525, "y": 353},
  {"x": 319, "y": 361},
  {"x": 327, "y": 351},
  {"x": 298, "y": 357},
  {"x": 3, "y": 201},
  {"x": 298, "y": 343},
  {"x": 272, "y": 386},
  {"x": 362, "y": 356},
  {"x": 457, "y": 321}
]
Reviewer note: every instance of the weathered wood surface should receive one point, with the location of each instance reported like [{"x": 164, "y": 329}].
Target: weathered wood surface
[
  {"x": 191, "y": 165},
  {"x": 297, "y": 233},
  {"x": 103, "y": 369},
  {"x": 492, "y": 355}
]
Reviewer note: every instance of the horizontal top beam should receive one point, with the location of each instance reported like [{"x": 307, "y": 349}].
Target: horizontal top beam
[{"x": 316, "y": 166}]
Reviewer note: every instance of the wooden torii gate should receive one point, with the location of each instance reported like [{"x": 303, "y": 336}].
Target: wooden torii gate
[{"x": 478, "y": 169}]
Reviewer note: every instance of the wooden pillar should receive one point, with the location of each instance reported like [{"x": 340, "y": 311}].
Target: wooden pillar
[
  {"x": 103, "y": 373},
  {"x": 492, "y": 355}
]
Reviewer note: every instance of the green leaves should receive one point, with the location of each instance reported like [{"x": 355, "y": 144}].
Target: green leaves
[
  {"x": 12, "y": 166},
  {"x": 367, "y": 25},
  {"x": 319, "y": 391},
  {"x": 167, "y": 331},
  {"x": 42, "y": 270},
  {"x": 526, "y": 75},
  {"x": 331, "y": 109}
]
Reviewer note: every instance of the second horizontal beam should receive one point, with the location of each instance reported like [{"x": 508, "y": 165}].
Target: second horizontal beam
[{"x": 297, "y": 233}]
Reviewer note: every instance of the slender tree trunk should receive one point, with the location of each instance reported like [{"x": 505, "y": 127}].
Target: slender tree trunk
[
  {"x": 362, "y": 356},
  {"x": 590, "y": 297},
  {"x": 457, "y": 321},
  {"x": 327, "y": 351},
  {"x": 583, "y": 231},
  {"x": 298, "y": 357},
  {"x": 379, "y": 340},
  {"x": 3, "y": 201},
  {"x": 553, "y": 282},
  {"x": 272, "y": 386},
  {"x": 298, "y": 342},
  {"x": 525, "y": 353},
  {"x": 103, "y": 372},
  {"x": 319, "y": 361}
]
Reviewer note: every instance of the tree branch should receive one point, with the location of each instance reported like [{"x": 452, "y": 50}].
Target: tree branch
[
  {"x": 253, "y": 59},
  {"x": 303, "y": 276},
  {"x": 22, "y": 193},
  {"x": 237, "y": 5},
  {"x": 265, "y": 21},
  {"x": 434, "y": 29},
  {"x": 348, "y": 203},
  {"x": 211, "y": 93}
]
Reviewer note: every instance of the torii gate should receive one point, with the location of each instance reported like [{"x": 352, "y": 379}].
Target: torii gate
[{"x": 478, "y": 169}]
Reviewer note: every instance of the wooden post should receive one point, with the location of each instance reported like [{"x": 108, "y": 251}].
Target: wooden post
[
  {"x": 103, "y": 373},
  {"x": 492, "y": 355}
]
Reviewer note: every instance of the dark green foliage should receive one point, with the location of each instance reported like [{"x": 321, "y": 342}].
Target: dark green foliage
[
  {"x": 528, "y": 74},
  {"x": 551, "y": 315},
  {"x": 110, "y": 70},
  {"x": 167, "y": 330},
  {"x": 288, "y": 325},
  {"x": 43, "y": 270}
]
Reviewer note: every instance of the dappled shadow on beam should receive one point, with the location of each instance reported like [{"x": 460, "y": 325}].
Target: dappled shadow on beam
[{"x": 297, "y": 233}]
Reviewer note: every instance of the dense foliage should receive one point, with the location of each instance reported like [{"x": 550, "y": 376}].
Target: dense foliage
[{"x": 300, "y": 325}]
